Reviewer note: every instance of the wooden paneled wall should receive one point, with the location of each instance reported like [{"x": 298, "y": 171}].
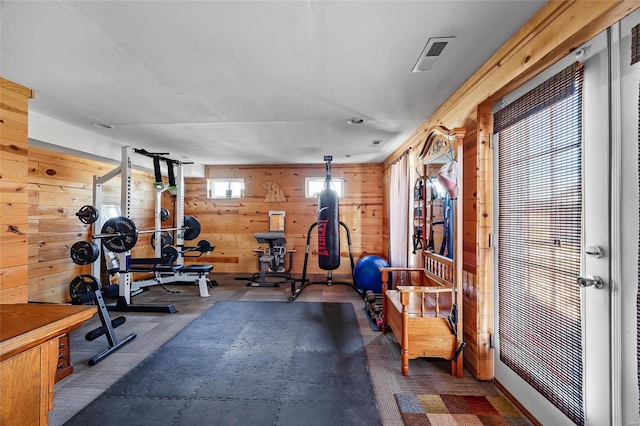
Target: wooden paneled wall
[
  {"x": 484, "y": 255},
  {"x": 469, "y": 249},
  {"x": 58, "y": 186},
  {"x": 14, "y": 200},
  {"x": 230, "y": 224},
  {"x": 555, "y": 31},
  {"x": 476, "y": 252}
]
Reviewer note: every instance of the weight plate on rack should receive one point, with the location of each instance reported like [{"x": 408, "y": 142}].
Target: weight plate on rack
[
  {"x": 84, "y": 252},
  {"x": 204, "y": 246},
  {"x": 192, "y": 226},
  {"x": 164, "y": 214},
  {"x": 170, "y": 252},
  {"x": 88, "y": 214},
  {"x": 82, "y": 284},
  {"x": 122, "y": 234},
  {"x": 165, "y": 239}
]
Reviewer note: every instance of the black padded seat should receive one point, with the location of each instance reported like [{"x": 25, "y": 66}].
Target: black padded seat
[
  {"x": 272, "y": 238},
  {"x": 162, "y": 269},
  {"x": 195, "y": 269},
  {"x": 151, "y": 264}
]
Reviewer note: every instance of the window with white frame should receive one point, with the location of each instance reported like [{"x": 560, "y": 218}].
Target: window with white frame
[
  {"x": 225, "y": 188},
  {"x": 313, "y": 186}
]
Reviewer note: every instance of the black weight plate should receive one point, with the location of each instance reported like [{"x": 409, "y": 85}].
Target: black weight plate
[
  {"x": 124, "y": 234},
  {"x": 88, "y": 214},
  {"x": 164, "y": 214},
  {"x": 166, "y": 239},
  {"x": 192, "y": 226},
  {"x": 204, "y": 246},
  {"x": 170, "y": 252},
  {"x": 84, "y": 252},
  {"x": 82, "y": 284}
]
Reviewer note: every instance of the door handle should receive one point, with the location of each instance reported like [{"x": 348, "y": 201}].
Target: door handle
[
  {"x": 595, "y": 251},
  {"x": 596, "y": 282}
]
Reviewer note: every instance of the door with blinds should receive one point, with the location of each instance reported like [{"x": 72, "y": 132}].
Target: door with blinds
[{"x": 551, "y": 240}]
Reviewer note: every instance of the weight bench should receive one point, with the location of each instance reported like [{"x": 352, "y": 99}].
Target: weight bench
[
  {"x": 166, "y": 272},
  {"x": 272, "y": 262},
  {"x": 162, "y": 264},
  {"x": 151, "y": 264},
  {"x": 201, "y": 272}
]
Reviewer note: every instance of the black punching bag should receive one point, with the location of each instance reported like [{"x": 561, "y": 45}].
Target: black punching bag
[{"x": 328, "y": 225}]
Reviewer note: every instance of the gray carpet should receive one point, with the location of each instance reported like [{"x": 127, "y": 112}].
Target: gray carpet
[{"x": 249, "y": 363}]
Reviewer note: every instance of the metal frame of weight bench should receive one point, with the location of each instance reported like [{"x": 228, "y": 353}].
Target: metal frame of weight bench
[
  {"x": 274, "y": 259},
  {"x": 168, "y": 273}
]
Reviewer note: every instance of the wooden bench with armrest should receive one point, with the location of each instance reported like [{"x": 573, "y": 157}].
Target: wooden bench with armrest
[{"x": 421, "y": 316}]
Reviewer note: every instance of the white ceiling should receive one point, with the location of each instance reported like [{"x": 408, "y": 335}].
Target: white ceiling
[{"x": 247, "y": 82}]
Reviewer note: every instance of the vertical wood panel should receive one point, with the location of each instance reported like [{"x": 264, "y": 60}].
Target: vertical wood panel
[
  {"x": 58, "y": 186},
  {"x": 477, "y": 279},
  {"x": 386, "y": 184},
  {"x": 230, "y": 224},
  {"x": 484, "y": 270},
  {"x": 469, "y": 247},
  {"x": 13, "y": 193}
]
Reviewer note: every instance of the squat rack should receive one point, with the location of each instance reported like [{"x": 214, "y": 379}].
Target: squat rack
[{"x": 126, "y": 285}]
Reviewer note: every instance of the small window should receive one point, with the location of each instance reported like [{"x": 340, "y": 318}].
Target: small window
[
  {"x": 225, "y": 188},
  {"x": 313, "y": 186}
]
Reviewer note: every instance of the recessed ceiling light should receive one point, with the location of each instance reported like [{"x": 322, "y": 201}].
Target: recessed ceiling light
[
  {"x": 356, "y": 120},
  {"x": 102, "y": 126}
]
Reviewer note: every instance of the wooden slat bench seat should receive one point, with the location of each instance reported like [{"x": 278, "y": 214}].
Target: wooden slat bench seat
[{"x": 420, "y": 316}]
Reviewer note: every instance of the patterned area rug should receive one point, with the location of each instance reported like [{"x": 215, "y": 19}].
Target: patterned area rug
[{"x": 445, "y": 410}]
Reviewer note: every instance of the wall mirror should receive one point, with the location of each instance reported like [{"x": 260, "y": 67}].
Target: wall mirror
[
  {"x": 441, "y": 158},
  {"x": 440, "y": 191}
]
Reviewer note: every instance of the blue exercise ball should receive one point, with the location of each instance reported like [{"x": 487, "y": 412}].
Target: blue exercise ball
[{"x": 367, "y": 275}]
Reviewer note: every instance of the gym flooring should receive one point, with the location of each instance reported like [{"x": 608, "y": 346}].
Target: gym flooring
[{"x": 153, "y": 329}]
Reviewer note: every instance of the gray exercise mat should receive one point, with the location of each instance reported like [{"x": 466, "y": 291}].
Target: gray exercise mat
[{"x": 249, "y": 363}]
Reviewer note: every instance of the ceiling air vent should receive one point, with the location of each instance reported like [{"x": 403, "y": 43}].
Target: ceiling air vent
[
  {"x": 375, "y": 143},
  {"x": 431, "y": 53}
]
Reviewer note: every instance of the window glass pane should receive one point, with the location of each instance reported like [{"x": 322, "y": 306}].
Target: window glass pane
[
  {"x": 314, "y": 185},
  {"x": 226, "y": 188}
]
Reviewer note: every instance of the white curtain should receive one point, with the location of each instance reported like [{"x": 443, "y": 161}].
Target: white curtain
[{"x": 399, "y": 212}]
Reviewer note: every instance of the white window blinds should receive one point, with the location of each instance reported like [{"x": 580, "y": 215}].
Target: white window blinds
[{"x": 539, "y": 235}]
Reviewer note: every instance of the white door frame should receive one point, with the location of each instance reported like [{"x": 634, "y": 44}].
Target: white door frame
[{"x": 596, "y": 302}]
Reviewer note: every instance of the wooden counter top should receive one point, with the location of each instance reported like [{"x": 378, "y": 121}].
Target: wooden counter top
[{"x": 25, "y": 325}]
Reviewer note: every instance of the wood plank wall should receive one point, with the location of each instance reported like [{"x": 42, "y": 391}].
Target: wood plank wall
[
  {"x": 14, "y": 201},
  {"x": 555, "y": 31},
  {"x": 384, "y": 232},
  {"x": 484, "y": 259},
  {"x": 58, "y": 186},
  {"x": 230, "y": 224},
  {"x": 469, "y": 249}
]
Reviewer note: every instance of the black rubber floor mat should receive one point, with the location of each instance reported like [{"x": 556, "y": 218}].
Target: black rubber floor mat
[{"x": 249, "y": 363}]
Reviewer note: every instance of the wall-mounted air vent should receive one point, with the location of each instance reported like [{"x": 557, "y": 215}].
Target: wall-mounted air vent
[{"x": 431, "y": 53}]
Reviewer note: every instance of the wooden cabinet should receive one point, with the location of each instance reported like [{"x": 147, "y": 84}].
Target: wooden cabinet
[
  {"x": 29, "y": 350},
  {"x": 63, "y": 363}
]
